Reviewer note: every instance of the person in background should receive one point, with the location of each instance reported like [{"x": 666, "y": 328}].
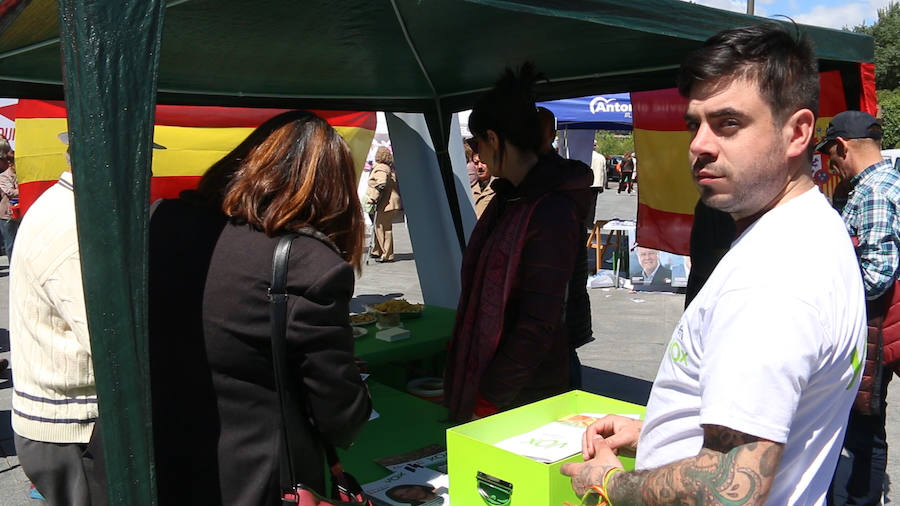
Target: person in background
[
  {"x": 384, "y": 196},
  {"x": 5, "y": 149},
  {"x": 9, "y": 196},
  {"x": 626, "y": 172},
  {"x": 872, "y": 216},
  {"x": 509, "y": 344},
  {"x": 598, "y": 166},
  {"x": 711, "y": 236},
  {"x": 216, "y": 412},
  {"x": 4, "y": 363},
  {"x": 55, "y": 397},
  {"x": 482, "y": 193},
  {"x": 751, "y": 399},
  {"x": 577, "y": 311},
  {"x": 471, "y": 168}
]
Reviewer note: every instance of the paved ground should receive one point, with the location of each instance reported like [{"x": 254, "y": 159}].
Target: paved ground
[{"x": 631, "y": 331}]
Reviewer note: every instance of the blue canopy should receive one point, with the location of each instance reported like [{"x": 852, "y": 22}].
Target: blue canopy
[{"x": 596, "y": 112}]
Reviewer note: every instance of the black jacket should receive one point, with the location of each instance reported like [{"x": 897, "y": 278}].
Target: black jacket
[{"x": 216, "y": 413}]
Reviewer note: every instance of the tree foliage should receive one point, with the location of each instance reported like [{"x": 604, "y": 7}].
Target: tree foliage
[
  {"x": 886, "y": 31},
  {"x": 890, "y": 111},
  {"x": 609, "y": 143}
]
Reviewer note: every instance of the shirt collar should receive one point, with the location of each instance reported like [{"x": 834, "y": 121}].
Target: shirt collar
[
  {"x": 868, "y": 171},
  {"x": 65, "y": 180}
]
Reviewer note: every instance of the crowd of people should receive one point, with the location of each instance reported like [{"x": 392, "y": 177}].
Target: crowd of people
[{"x": 754, "y": 408}]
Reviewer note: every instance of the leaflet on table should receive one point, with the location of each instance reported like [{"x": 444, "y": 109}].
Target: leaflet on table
[
  {"x": 411, "y": 485},
  {"x": 432, "y": 457},
  {"x": 554, "y": 441}
]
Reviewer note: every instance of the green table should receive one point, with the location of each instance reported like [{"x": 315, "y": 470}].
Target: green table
[
  {"x": 429, "y": 336},
  {"x": 406, "y": 423}
]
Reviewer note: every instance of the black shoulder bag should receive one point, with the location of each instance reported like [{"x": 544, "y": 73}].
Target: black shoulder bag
[{"x": 344, "y": 488}]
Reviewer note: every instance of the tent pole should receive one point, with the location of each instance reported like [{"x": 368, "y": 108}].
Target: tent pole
[{"x": 438, "y": 126}]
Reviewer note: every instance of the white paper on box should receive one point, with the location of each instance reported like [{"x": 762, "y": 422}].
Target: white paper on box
[
  {"x": 392, "y": 334},
  {"x": 554, "y": 441}
]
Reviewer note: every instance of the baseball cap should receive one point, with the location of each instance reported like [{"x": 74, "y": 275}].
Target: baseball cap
[{"x": 850, "y": 125}]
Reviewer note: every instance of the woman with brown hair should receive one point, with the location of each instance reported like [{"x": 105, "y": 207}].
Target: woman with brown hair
[
  {"x": 216, "y": 410},
  {"x": 384, "y": 198}
]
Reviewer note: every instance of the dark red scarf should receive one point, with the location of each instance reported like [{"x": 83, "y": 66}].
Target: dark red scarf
[{"x": 489, "y": 268}]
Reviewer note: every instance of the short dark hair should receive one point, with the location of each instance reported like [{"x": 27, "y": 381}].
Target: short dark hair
[
  {"x": 509, "y": 110},
  {"x": 782, "y": 64}
]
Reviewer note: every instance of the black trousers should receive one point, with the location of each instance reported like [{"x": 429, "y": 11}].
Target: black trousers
[{"x": 64, "y": 473}]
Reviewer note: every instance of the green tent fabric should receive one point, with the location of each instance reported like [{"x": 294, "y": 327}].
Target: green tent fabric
[
  {"x": 400, "y": 55},
  {"x": 429, "y": 56},
  {"x": 110, "y": 135}
]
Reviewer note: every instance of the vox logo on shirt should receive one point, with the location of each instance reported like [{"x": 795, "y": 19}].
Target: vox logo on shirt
[{"x": 676, "y": 351}]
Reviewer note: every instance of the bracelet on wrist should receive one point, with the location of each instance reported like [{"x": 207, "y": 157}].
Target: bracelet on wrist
[{"x": 598, "y": 495}]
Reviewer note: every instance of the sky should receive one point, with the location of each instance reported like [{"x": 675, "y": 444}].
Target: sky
[{"x": 828, "y": 13}]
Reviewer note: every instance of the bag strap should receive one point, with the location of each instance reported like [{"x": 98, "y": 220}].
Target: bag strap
[
  {"x": 278, "y": 314},
  {"x": 290, "y": 416}
]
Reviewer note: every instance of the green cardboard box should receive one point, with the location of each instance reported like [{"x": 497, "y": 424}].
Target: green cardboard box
[{"x": 480, "y": 473}]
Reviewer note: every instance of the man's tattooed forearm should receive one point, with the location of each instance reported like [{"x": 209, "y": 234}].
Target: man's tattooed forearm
[{"x": 710, "y": 478}]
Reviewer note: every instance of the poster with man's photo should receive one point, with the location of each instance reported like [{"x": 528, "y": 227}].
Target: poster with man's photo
[{"x": 658, "y": 271}]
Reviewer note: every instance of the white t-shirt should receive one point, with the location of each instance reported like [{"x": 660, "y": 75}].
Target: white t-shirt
[
  {"x": 598, "y": 165},
  {"x": 767, "y": 348}
]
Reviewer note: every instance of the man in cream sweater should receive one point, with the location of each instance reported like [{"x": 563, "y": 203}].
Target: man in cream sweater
[{"x": 55, "y": 397}]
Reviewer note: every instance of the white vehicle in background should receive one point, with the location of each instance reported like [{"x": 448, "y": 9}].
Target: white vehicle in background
[{"x": 893, "y": 155}]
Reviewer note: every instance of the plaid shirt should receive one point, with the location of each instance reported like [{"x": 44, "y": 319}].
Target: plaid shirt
[{"x": 872, "y": 215}]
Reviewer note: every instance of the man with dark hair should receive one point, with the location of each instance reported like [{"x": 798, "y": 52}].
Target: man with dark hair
[
  {"x": 750, "y": 401},
  {"x": 853, "y": 143},
  {"x": 578, "y": 303}
]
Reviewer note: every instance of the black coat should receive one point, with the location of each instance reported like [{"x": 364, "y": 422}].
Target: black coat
[{"x": 216, "y": 413}]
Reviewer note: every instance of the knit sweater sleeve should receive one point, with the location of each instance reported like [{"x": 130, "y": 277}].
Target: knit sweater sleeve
[{"x": 64, "y": 289}]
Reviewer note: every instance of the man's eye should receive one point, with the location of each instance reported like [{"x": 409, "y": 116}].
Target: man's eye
[{"x": 692, "y": 126}]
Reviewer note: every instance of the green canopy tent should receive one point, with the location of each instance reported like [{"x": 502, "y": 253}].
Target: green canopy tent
[{"x": 430, "y": 57}]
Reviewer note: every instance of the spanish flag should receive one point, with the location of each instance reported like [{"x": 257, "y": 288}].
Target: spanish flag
[
  {"x": 194, "y": 137},
  {"x": 666, "y": 192}
]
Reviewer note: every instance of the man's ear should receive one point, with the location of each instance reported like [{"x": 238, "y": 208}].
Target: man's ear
[
  {"x": 840, "y": 147},
  {"x": 493, "y": 139},
  {"x": 798, "y": 130}
]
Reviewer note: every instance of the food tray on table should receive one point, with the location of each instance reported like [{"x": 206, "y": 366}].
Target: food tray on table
[
  {"x": 399, "y": 307},
  {"x": 362, "y": 319}
]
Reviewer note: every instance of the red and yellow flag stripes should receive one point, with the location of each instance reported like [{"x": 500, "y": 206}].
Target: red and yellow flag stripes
[
  {"x": 194, "y": 138},
  {"x": 666, "y": 191}
]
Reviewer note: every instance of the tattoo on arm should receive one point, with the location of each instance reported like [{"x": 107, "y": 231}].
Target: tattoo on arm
[{"x": 732, "y": 468}]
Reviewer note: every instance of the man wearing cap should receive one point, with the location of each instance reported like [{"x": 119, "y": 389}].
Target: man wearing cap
[{"x": 853, "y": 143}]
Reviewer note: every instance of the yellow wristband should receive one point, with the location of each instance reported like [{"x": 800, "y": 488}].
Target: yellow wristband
[
  {"x": 595, "y": 496},
  {"x": 606, "y": 478}
]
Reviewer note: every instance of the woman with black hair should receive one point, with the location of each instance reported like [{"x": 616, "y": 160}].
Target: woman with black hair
[{"x": 510, "y": 344}]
